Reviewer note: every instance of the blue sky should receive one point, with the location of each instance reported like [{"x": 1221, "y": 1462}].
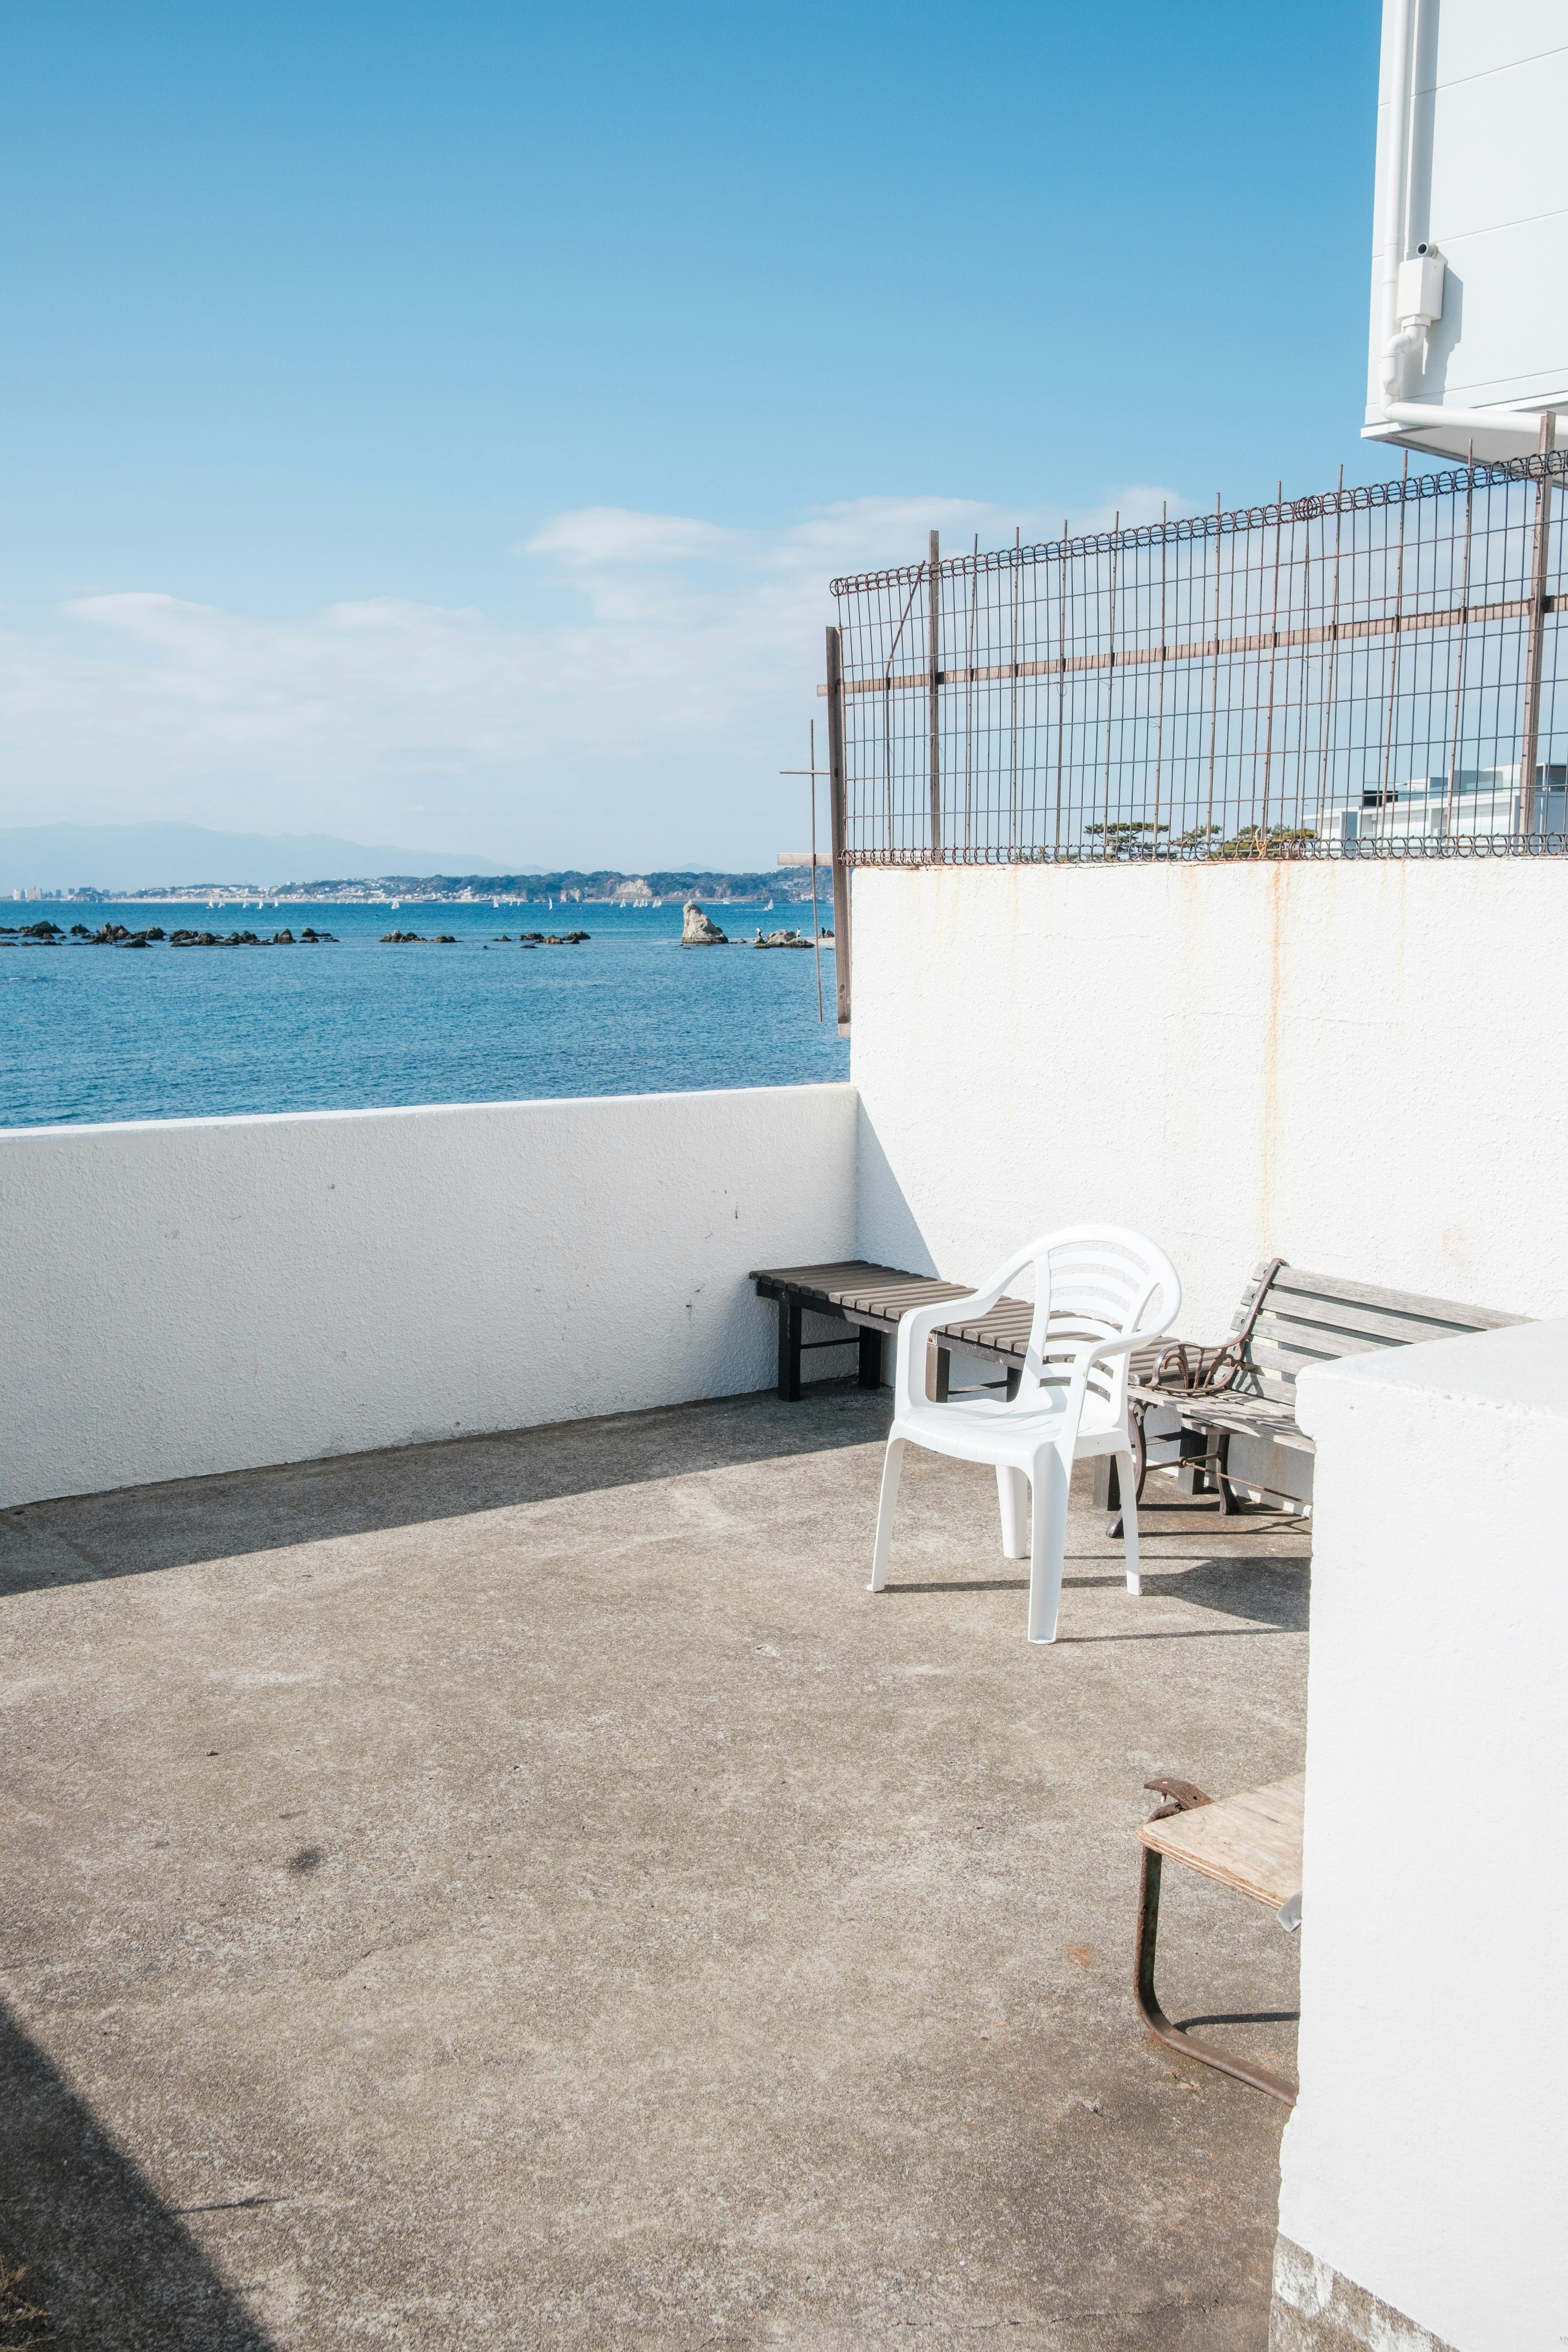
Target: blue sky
[{"x": 439, "y": 425}]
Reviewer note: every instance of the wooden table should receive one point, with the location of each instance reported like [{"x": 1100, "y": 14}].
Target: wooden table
[{"x": 1251, "y": 1843}]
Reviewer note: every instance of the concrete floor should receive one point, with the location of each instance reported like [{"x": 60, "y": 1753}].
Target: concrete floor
[{"x": 526, "y": 1892}]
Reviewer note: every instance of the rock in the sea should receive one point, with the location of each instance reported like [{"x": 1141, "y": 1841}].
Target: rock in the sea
[
  {"x": 781, "y": 940},
  {"x": 696, "y": 932}
]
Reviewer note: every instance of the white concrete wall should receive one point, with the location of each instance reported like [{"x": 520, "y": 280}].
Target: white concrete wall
[
  {"x": 1354, "y": 1065},
  {"x": 194, "y": 1294},
  {"x": 1427, "y": 2158}
]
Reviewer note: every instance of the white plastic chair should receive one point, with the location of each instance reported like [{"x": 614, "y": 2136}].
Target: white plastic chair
[{"x": 1099, "y": 1292}]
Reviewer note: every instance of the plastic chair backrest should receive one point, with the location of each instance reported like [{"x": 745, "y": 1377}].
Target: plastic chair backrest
[{"x": 1095, "y": 1282}]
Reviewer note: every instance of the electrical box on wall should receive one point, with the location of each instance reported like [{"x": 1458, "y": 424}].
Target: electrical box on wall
[
  {"x": 1470, "y": 293},
  {"x": 1421, "y": 289}
]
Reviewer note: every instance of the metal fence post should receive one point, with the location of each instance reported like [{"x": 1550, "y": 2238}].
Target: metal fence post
[
  {"x": 1536, "y": 650},
  {"x": 840, "y": 830},
  {"x": 934, "y": 658}
]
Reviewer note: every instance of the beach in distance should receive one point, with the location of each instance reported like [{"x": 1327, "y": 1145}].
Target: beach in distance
[{"x": 469, "y": 1011}]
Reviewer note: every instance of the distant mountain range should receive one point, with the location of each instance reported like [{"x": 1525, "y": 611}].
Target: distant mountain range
[
  {"x": 116, "y": 857},
  {"x": 150, "y": 861}
]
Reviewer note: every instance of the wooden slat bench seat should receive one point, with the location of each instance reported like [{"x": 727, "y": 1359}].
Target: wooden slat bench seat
[
  {"x": 1245, "y": 1434},
  {"x": 1251, "y": 1843},
  {"x": 871, "y": 1299}
]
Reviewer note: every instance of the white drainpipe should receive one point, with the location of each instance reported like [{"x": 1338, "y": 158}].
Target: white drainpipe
[{"x": 1397, "y": 340}]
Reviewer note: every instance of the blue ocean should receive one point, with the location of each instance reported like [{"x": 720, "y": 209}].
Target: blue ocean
[{"x": 102, "y": 1032}]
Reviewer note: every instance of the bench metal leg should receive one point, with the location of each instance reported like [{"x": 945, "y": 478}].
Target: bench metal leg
[
  {"x": 1228, "y": 1502},
  {"x": 1201, "y": 2053},
  {"x": 870, "y": 1371},
  {"x": 791, "y": 1317}
]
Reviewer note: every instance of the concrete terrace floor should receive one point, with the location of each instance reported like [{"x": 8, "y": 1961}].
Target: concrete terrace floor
[{"x": 526, "y": 1892}]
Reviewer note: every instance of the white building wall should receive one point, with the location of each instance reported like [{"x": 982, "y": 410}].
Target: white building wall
[
  {"x": 1351, "y": 1064},
  {"x": 195, "y": 1294},
  {"x": 1427, "y": 2162},
  {"x": 1487, "y": 183}
]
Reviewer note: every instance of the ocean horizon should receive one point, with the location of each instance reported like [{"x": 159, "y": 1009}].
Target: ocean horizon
[{"x": 110, "y": 1034}]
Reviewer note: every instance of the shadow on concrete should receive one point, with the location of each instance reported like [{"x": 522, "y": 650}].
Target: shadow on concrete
[
  {"x": 136, "y": 1530},
  {"x": 107, "y": 2266},
  {"x": 1242, "y": 2017},
  {"x": 1269, "y": 1595},
  {"x": 1266, "y": 1592}
]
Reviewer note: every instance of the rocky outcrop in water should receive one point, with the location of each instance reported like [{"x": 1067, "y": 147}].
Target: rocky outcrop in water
[
  {"x": 696, "y": 932},
  {"x": 235, "y": 939},
  {"x": 781, "y": 940}
]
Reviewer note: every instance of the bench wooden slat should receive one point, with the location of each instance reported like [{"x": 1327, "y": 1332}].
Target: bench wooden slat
[
  {"x": 1329, "y": 1287},
  {"x": 1288, "y": 1358},
  {"x": 1251, "y": 1842},
  {"x": 834, "y": 1269},
  {"x": 1244, "y": 1416},
  {"x": 1341, "y": 1322}
]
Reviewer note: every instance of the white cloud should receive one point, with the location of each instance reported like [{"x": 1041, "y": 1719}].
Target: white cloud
[
  {"x": 646, "y": 723},
  {"x": 616, "y": 535}
]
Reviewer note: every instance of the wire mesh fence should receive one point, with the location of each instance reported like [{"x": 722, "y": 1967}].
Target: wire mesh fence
[{"x": 1371, "y": 672}]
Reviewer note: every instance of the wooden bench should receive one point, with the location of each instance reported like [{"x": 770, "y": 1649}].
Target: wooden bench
[
  {"x": 1243, "y": 1437},
  {"x": 1251, "y": 1843},
  {"x": 871, "y": 1299},
  {"x": 1245, "y": 1434}
]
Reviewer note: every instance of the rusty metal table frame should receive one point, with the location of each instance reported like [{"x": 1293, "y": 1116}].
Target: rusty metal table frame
[{"x": 1182, "y": 1797}]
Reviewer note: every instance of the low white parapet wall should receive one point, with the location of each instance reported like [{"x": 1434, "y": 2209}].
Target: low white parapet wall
[
  {"x": 187, "y": 1296},
  {"x": 1424, "y": 2169},
  {"x": 1349, "y": 1064}
]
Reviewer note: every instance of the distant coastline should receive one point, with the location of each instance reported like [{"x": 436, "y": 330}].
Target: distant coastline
[{"x": 603, "y": 888}]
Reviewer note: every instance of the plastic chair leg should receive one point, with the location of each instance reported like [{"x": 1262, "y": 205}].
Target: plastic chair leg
[
  {"x": 1012, "y": 1493},
  {"x": 891, "y": 1466},
  {"x": 1127, "y": 1470},
  {"x": 1047, "y": 1543}
]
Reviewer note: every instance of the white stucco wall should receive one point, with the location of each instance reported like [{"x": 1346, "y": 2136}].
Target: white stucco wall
[
  {"x": 1351, "y": 1064},
  {"x": 1427, "y": 2158},
  {"x": 193, "y": 1295}
]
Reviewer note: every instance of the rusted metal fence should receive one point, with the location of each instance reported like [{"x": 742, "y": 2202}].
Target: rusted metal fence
[{"x": 1369, "y": 673}]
